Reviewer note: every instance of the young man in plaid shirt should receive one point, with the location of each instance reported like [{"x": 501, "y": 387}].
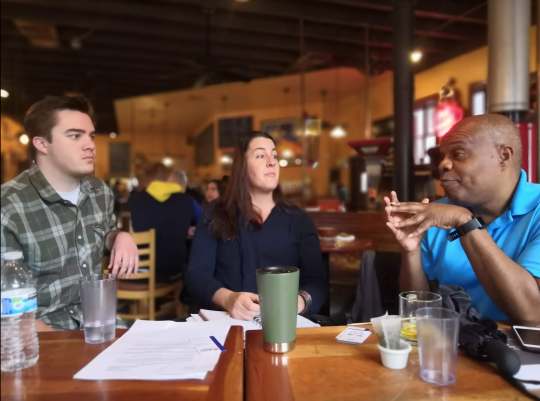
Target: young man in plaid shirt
[{"x": 59, "y": 215}]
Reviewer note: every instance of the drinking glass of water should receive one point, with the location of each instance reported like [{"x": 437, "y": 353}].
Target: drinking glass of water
[{"x": 98, "y": 298}]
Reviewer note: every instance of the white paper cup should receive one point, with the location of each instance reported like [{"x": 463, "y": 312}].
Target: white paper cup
[{"x": 395, "y": 358}]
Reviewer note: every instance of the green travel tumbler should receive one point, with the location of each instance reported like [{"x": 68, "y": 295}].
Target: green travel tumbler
[{"x": 278, "y": 299}]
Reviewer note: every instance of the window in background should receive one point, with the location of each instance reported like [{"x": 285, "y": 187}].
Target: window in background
[
  {"x": 424, "y": 136},
  {"x": 478, "y": 105},
  {"x": 478, "y": 98},
  {"x": 232, "y": 129},
  {"x": 204, "y": 147}
]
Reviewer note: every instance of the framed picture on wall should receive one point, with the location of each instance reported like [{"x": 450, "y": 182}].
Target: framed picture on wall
[{"x": 288, "y": 136}]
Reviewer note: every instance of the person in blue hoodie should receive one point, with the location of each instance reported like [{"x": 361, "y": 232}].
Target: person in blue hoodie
[
  {"x": 485, "y": 235},
  {"x": 164, "y": 207}
]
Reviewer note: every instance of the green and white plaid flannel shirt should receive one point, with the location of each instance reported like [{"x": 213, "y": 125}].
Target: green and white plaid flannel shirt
[{"x": 60, "y": 241}]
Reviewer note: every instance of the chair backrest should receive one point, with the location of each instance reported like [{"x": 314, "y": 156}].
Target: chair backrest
[
  {"x": 146, "y": 243},
  {"x": 377, "y": 290}
]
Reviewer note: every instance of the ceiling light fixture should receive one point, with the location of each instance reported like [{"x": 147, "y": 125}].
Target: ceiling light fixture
[
  {"x": 287, "y": 153},
  {"x": 226, "y": 159},
  {"x": 168, "y": 161},
  {"x": 4, "y": 93},
  {"x": 416, "y": 56},
  {"x": 24, "y": 139},
  {"x": 338, "y": 132},
  {"x": 283, "y": 163}
]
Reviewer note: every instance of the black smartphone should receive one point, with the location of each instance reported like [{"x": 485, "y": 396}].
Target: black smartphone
[{"x": 528, "y": 337}]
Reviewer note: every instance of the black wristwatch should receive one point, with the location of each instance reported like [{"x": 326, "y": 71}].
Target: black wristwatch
[
  {"x": 307, "y": 299},
  {"x": 466, "y": 228}
]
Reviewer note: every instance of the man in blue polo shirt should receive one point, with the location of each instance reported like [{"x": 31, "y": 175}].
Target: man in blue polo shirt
[{"x": 485, "y": 236}]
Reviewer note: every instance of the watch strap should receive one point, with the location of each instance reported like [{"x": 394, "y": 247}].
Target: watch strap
[
  {"x": 307, "y": 300},
  {"x": 475, "y": 223}
]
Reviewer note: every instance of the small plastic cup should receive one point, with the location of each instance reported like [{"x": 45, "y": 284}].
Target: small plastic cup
[
  {"x": 437, "y": 344},
  {"x": 395, "y": 358}
]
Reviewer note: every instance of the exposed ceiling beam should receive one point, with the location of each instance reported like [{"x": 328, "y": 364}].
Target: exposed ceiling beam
[
  {"x": 41, "y": 88},
  {"x": 314, "y": 11},
  {"x": 195, "y": 34},
  {"x": 187, "y": 50},
  {"x": 85, "y": 67},
  {"x": 105, "y": 87},
  {"x": 196, "y": 49},
  {"x": 90, "y": 65},
  {"x": 425, "y": 9},
  {"x": 237, "y": 15},
  {"x": 112, "y": 52},
  {"x": 73, "y": 79}
]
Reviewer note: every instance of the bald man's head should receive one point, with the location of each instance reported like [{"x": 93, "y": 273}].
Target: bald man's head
[
  {"x": 500, "y": 130},
  {"x": 480, "y": 155}
]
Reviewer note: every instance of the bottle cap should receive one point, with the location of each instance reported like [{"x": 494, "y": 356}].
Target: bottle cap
[{"x": 15, "y": 255}]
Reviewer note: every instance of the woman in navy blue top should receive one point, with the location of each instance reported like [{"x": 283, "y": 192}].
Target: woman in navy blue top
[{"x": 253, "y": 226}]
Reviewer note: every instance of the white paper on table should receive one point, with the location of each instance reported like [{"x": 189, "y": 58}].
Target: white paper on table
[
  {"x": 223, "y": 317},
  {"x": 529, "y": 372},
  {"x": 197, "y": 318},
  {"x": 156, "y": 351}
]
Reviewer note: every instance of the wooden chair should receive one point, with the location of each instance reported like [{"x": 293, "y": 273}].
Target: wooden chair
[{"x": 141, "y": 297}]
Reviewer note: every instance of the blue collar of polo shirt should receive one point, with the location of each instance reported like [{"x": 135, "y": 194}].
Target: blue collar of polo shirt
[{"x": 526, "y": 198}]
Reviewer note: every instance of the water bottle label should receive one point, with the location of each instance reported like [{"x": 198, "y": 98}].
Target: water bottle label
[{"x": 19, "y": 304}]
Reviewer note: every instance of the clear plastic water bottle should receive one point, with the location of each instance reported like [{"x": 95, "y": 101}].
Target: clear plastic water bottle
[{"x": 20, "y": 347}]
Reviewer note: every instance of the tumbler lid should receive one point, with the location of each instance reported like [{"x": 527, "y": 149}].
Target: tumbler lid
[{"x": 277, "y": 270}]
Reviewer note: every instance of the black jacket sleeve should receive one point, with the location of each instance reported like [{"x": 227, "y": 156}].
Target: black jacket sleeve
[{"x": 313, "y": 278}]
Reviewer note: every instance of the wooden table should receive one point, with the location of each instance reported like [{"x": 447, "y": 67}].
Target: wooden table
[
  {"x": 62, "y": 354},
  {"x": 320, "y": 368},
  {"x": 328, "y": 247}
]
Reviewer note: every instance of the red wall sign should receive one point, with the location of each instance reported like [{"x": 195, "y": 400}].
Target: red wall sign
[{"x": 446, "y": 115}]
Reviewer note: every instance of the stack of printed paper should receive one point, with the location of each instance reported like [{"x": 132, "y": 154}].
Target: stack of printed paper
[{"x": 160, "y": 351}]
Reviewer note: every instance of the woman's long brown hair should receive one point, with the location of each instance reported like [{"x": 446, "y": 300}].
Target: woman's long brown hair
[{"x": 236, "y": 206}]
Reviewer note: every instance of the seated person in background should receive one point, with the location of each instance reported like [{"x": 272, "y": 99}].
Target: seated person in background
[
  {"x": 253, "y": 226},
  {"x": 214, "y": 189},
  {"x": 225, "y": 180},
  {"x": 59, "y": 215},
  {"x": 499, "y": 266},
  {"x": 171, "y": 213},
  {"x": 180, "y": 177}
]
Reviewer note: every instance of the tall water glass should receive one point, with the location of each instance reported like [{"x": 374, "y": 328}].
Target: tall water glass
[
  {"x": 98, "y": 297},
  {"x": 437, "y": 344},
  {"x": 409, "y": 302}
]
